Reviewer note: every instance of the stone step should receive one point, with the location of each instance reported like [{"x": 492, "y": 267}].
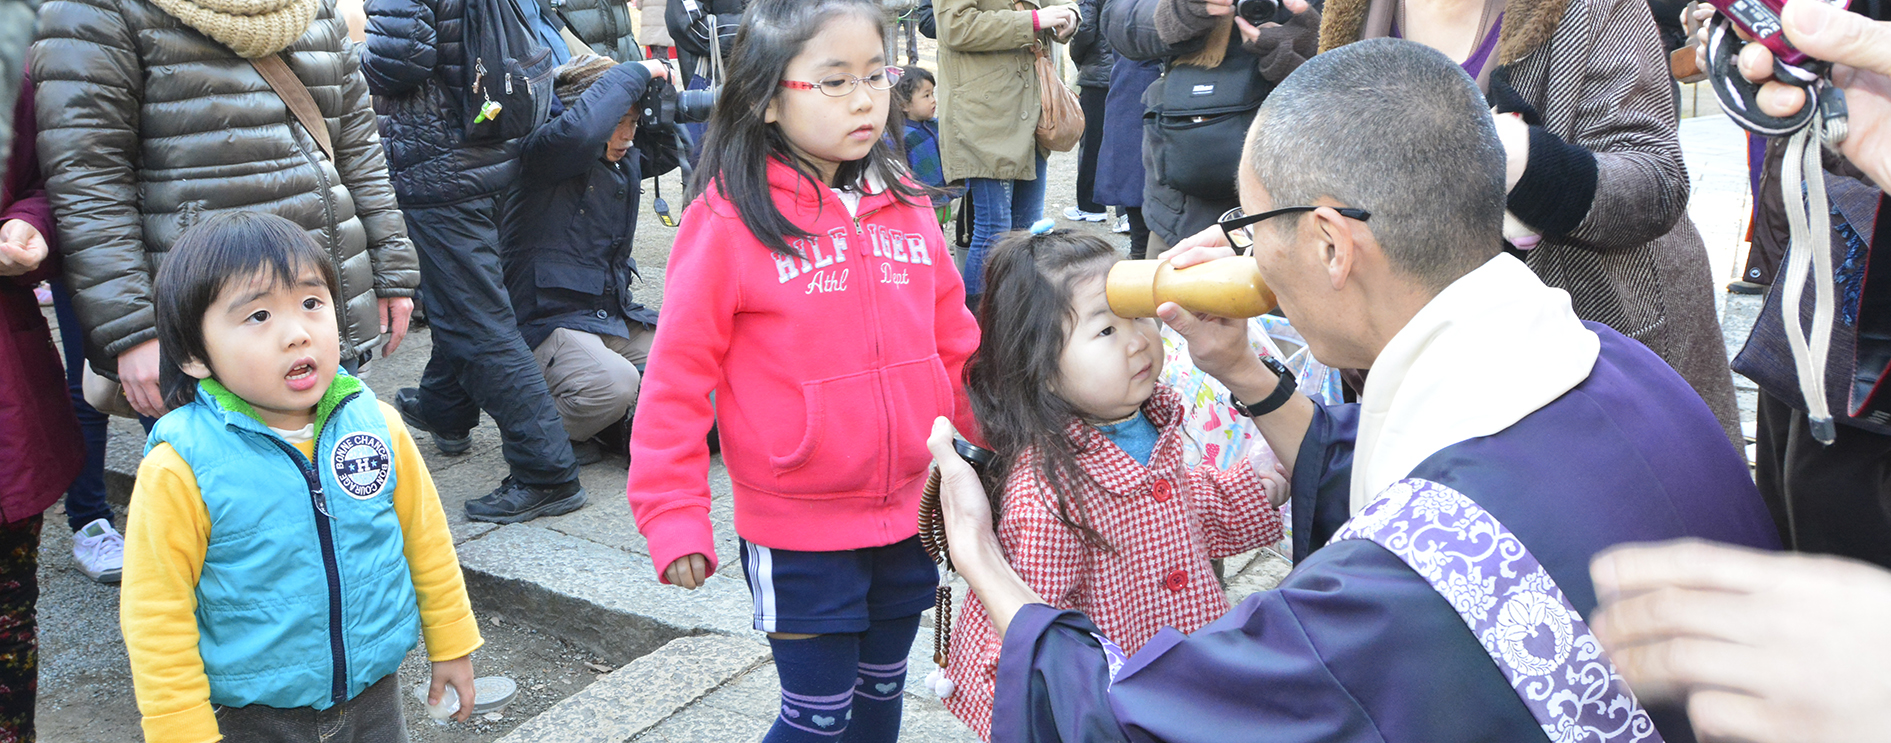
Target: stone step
[
  {"x": 742, "y": 710},
  {"x": 598, "y": 597},
  {"x": 645, "y": 694}
]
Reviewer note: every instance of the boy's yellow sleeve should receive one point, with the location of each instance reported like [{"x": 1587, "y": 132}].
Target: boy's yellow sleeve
[
  {"x": 446, "y": 615},
  {"x": 166, "y": 536}
]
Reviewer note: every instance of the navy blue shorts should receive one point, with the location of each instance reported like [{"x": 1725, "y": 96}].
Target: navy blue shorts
[{"x": 824, "y": 593}]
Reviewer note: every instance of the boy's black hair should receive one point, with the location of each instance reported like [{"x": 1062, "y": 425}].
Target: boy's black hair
[
  {"x": 739, "y": 144},
  {"x": 225, "y": 248},
  {"x": 910, "y": 78},
  {"x": 1024, "y": 319}
]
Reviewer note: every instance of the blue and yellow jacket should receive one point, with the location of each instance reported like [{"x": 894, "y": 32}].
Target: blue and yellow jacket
[{"x": 258, "y": 571}]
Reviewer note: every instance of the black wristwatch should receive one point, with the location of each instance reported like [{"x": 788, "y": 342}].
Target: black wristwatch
[{"x": 1283, "y": 391}]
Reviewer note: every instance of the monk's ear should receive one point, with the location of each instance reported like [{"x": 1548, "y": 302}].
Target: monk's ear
[{"x": 1338, "y": 247}]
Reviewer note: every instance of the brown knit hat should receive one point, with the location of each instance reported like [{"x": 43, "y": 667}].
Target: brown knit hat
[{"x": 572, "y": 78}]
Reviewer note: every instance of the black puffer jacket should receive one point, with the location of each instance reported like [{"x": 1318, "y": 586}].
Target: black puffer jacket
[
  {"x": 146, "y": 126},
  {"x": 602, "y": 24},
  {"x": 1089, "y": 49},
  {"x": 570, "y": 224},
  {"x": 417, "y": 70}
]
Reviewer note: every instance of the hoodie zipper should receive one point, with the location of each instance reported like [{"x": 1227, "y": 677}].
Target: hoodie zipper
[
  {"x": 879, "y": 351},
  {"x": 325, "y": 532}
]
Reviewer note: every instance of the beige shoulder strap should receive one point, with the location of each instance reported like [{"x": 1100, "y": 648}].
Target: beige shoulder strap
[{"x": 296, "y": 95}]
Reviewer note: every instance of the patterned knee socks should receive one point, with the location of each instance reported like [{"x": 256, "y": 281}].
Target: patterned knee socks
[
  {"x": 877, "y": 691},
  {"x": 817, "y": 677}
]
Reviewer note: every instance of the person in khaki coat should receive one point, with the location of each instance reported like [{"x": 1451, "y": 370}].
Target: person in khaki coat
[{"x": 988, "y": 112}]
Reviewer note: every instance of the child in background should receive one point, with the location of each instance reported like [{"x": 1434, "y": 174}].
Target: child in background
[
  {"x": 285, "y": 544},
  {"x": 1099, "y": 512},
  {"x": 917, "y": 97},
  {"x": 809, "y": 291}
]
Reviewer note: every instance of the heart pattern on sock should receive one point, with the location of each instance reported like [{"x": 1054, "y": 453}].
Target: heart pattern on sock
[
  {"x": 823, "y": 720},
  {"x": 886, "y": 688},
  {"x": 790, "y": 711}
]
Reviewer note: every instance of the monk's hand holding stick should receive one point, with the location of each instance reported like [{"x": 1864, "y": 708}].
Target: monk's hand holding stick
[
  {"x": 1760, "y": 646},
  {"x": 969, "y": 534}
]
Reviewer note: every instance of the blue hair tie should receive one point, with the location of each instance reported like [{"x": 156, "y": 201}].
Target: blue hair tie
[{"x": 1042, "y": 226}]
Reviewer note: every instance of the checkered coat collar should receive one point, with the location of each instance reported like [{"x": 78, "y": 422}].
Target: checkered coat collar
[{"x": 1109, "y": 464}]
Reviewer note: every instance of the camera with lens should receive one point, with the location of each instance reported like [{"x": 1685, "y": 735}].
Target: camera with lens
[
  {"x": 1258, "y": 12},
  {"x": 664, "y": 106}
]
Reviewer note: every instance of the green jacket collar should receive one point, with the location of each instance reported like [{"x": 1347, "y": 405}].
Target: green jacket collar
[{"x": 338, "y": 390}]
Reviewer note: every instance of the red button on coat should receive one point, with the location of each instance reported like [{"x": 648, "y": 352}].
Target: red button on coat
[
  {"x": 1176, "y": 581},
  {"x": 1162, "y": 490}
]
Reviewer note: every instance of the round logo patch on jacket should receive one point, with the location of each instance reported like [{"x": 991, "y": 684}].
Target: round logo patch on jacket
[{"x": 361, "y": 463}]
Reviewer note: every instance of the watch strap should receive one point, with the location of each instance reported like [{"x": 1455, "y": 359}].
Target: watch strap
[{"x": 1283, "y": 391}]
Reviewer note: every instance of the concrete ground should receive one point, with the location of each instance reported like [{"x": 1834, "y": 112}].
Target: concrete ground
[{"x": 570, "y": 605}]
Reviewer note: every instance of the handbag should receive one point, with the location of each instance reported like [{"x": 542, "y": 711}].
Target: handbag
[
  {"x": 509, "y": 90},
  {"x": 1197, "y": 119},
  {"x": 1683, "y": 65},
  {"x": 104, "y": 395},
  {"x": 1859, "y": 359},
  {"x": 1060, "y": 116}
]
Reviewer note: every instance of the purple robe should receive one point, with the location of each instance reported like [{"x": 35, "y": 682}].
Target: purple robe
[{"x": 1353, "y": 645}]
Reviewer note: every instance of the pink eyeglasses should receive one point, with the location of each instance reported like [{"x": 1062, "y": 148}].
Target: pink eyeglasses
[{"x": 841, "y": 84}]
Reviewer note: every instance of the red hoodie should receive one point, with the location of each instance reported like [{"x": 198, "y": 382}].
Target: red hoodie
[{"x": 827, "y": 372}]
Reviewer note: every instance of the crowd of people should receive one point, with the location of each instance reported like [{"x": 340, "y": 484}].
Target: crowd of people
[{"x": 1475, "y": 209}]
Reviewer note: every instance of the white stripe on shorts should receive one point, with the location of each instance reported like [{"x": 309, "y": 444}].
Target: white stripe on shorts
[{"x": 761, "y": 566}]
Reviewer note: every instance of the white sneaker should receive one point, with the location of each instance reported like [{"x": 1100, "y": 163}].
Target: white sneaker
[
  {"x": 100, "y": 551},
  {"x": 1122, "y": 225},
  {"x": 1078, "y": 215}
]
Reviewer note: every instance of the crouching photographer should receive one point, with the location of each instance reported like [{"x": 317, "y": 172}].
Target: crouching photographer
[
  {"x": 568, "y": 263},
  {"x": 1220, "y": 60}
]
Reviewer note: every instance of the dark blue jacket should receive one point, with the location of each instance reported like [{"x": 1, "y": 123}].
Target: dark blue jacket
[
  {"x": 569, "y": 225},
  {"x": 1119, "y": 179},
  {"x": 416, "y": 69}
]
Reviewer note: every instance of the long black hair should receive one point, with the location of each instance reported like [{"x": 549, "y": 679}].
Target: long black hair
[
  {"x": 1024, "y": 323},
  {"x": 224, "y": 248},
  {"x": 740, "y": 143}
]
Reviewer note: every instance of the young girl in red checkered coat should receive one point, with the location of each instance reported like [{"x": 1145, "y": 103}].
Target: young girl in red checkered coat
[{"x": 1098, "y": 511}]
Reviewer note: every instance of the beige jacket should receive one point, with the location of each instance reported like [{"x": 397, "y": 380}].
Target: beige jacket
[{"x": 988, "y": 97}]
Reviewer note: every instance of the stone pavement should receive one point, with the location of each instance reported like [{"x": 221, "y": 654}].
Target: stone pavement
[{"x": 690, "y": 668}]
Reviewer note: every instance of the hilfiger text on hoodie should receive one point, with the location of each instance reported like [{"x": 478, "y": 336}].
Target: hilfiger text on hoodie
[{"x": 827, "y": 270}]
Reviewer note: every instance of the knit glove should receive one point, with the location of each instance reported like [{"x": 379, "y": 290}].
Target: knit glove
[
  {"x": 1178, "y": 21},
  {"x": 1285, "y": 47}
]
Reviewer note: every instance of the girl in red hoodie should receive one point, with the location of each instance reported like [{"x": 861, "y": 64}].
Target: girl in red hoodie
[{"x": 810, "y": 292}]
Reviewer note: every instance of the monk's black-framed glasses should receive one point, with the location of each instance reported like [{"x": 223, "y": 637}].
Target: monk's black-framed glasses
[{"x": 1239, "y": 227}]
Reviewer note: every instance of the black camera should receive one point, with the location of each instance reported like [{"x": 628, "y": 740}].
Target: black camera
[
  {"x": 664, "y": 106},
  {"x": 1258, "y": 12}
]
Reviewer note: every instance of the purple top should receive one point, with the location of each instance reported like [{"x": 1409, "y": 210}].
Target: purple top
[{"x": 1475, "y": 65}]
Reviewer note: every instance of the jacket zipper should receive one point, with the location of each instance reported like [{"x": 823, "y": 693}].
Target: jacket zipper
[
  {"x": 338, "y": 691},
  {"x": 330, "y": 232}
]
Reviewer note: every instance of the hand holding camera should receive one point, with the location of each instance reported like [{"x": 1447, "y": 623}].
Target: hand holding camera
[
  {"x": 1250, "y": 16},
  {"x": 1860, "y": 50}
]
